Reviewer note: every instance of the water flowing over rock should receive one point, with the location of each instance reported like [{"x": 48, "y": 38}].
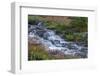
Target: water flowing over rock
[{"x": 38, "y": 34}]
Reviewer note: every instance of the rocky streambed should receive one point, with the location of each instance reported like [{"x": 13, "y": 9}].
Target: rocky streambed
[{"x": 53, "y": 43}]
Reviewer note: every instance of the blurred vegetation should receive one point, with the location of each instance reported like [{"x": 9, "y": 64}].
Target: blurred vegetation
[
  {"x": 36, "y": 52},
  {"x": 76, "y": 31},
  {"x": 33, "y": 19},
  {"x": 77, "y": 25}
]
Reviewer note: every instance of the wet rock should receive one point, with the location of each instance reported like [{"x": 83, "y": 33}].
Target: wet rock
[{"x": 34, "y": 40}]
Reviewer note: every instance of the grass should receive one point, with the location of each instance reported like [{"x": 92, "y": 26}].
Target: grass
[{"x": 37, "y": 52}]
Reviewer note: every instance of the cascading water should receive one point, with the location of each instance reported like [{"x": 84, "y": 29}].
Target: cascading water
[{"x": 54, "y": 42}]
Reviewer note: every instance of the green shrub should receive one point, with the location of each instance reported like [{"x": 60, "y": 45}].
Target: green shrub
[
  {"x": 69, "y": 37},
  {"x": 37, "y": 52},
  {"x": 79, "y": 23},
  {"x": 34, "y": 19}
]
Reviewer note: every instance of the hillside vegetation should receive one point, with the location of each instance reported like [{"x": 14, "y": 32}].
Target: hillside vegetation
[{"x": 70, "y": 28}]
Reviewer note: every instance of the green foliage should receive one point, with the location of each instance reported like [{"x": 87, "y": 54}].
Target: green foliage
[
  {"x": 34, "y": 19},
  {"x": 50, "y": 25},
  {"x": 36, "y": 52},
  {"x": 76, "y": 37},
  {"x": 79, "y": 23},
  {"x": 69, "y": 37}
]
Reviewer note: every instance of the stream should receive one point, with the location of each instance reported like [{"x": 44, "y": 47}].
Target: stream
[{"x": 53, "y": 42}]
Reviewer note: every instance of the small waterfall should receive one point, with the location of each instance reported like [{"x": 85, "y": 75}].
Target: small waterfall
[{"x": 54, "y": 42}]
